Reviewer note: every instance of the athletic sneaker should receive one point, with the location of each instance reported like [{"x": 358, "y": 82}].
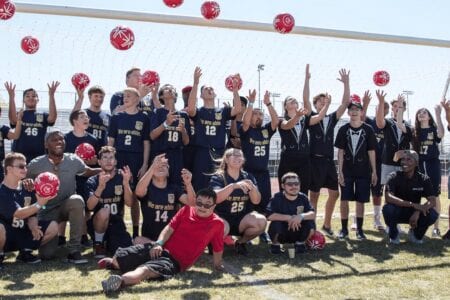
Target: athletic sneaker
[
  {"x": 343, "y": 234},
  {"x": 395, "y": 241},
  {"x": 377, "y": 224},
  {"x": 264, "y": 237},
  {"x": 105, "y": 263},
  {"x": 99, "y": 250},
  {"x": 436, "y": 233},
  {"x": 412, "y": 237},
  {"x": 360, "y": 236},
  {"x": 112, "y": 284},
  {"x": 275, "y": 249},
  {"x": 300, "y": 247},
  {"x": 328, "y": 231},
  {"x": 28, "y": 257},
  {"x": 85, "y": 241},
  {"x": 446, "y": 236},
  {"x": 76, "y": 258},
  {"x": 241, "y": 249}
]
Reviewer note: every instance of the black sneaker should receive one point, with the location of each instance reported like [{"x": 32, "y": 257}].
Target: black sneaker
[
  {"x": 360, "y": 236},
  {"x": 2, "y": 257},
  {"x": 112, "y": 284},
  {"x": 343, "y": 234},
  {"x": 300, "y": 248},
  {"x": 328, "y": 231},
  {"x": 28, "y": 257},
  {"x": 76, "y": 258},
  {"x": 61, "y": 240},
  {"x": 275, "y": 249},
  {"x": 85, "y": 241},
  {"x": 446, "y": 236},
  {"x": 99, "y": 250},
  {"x": 241, "y": 249},
  {"x": 265, "y": 238}
]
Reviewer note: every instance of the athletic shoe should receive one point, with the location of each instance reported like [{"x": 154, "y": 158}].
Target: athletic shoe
[
  {"x": 377, "y": 224},
  {"x": 112, "y": 284},
  {"x": 61, "y": 240},
  {"x": 76, "y": 258},
  {"x": 412, "y": 237},
  {"x": 300, "y": 247},
  {"x": 99, "y": 250},
  {"x": 446, "y": 236},
  {"x": 28, "y": 257},
  {"x": 275, "y": 249},
  {"x": 264, "y": 237},
  {"x": 105, "y": 263},
  {"x": 228, "y": 240},
  {"x": 343, "y": 234},
  {"x": 360, "y": 236},
  {"x": 436, "y": 233},
  {"x": 85, "y": 241},
  {"x": 328, "y": 231},
  {"x": 395, "y": 241},
  {"x": 241, "y": 249},
  {"x": 400, "y": 229}
]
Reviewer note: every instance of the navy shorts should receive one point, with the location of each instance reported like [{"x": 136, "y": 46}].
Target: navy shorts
[
  {"x": 264, "y": 187},
  {"x": 234, "y": 223},
  {"x": 432, "y": 168},
  {"x": 133, "y": 160},
  {"x": 22, "y": 238},
  {"x": 323, "y": 174},
  {"x": 204, "y": 166},
  {"x": 175, "y": 157},
  {"x": 285, "y": 235},
  {"x": 116, "y": 234},
  {"x": 356, "y": 189}
]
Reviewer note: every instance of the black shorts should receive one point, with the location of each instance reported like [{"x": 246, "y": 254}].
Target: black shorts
[
  {"x": 280, "y": 228},
  {"x": 234, "y": 223},
  {"x": 356, "y": 189},
  {"x": 264, "y": 187},
  {"x": 323, "y": 174},
  {"x": 116, "y": 234},
  {"x": 22, "y": 238},
  {"x": 136, "y": 256}
]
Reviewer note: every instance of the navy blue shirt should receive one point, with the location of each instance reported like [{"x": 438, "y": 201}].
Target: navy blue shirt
[
  {"x": 4, "y": 130},
  {"x": 169, "y": 138},
  {"x": 98, "y": 126},
  {"x": 296, "y": 141},
  {"x": 73, "y": 141},
  {"x": 129, "y": 131},
  {"x": 10, "y": 201},
  {"x": 428, "y": 142},
  {"x": 210, "y": 126},
  {"x": 117, "y": 99},
  {"x": 279, "y": 204},
  {"x": 321, "y": 138},
  {"x": 255, "y": 143}
]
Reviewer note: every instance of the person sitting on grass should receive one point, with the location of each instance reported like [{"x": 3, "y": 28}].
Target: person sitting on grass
[
  {"x": 179, "y": 245},
  {"x": 404, "y": 190},
  {"x": 291, "y": 215}
]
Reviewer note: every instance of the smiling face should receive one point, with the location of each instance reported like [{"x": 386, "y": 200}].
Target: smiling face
[
  {"x": 107, "y": 161},
  {"x": 55, "y": 144},
  {"x": 234, "y": 159},
  {"x": 204, "y": 206},
  {"x": 291, "y": 186},
  {"x": 408, "y": 163},
  {"x": 30, "y": 99},
  {"x": 18, "y": 169}
]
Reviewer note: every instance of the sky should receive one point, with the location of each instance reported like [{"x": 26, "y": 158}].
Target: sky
[{"x": 73, "y": 44}]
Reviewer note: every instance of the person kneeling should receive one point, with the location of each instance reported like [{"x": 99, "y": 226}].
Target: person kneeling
[
  {"x": 291, "y": 215},
  {"x": 179, "y": 245}
]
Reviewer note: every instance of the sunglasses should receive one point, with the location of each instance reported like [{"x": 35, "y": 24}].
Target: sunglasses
[
  {"x": 201, "y": 204},
  {"x": 22, "y": 167},
  {"x": 292, "y": 183}
]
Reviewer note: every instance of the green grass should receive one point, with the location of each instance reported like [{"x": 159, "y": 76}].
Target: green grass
[{"x": 343, "y": 270}]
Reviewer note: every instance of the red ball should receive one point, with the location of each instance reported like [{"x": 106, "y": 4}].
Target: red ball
[
  {"x": 355, "y": 98},
  {"x": 46, "y": 184},
  {"x": 316, "y": 241},
  {"x": 150, "y": 78},
  {"x": 284, "y": 23},
  {"x": 229, "y": 82},
  {"x": 381, "y": 78},
  {"x": 85, "y": 151},
  {"x": 173, "y": 3},
  {"x": 122, "y": 38},
  {"x": 80, "y": 80},
  {"x": 210, "y": 10},
  {"x": 7, "y": 9},
  {"x": 30, "y": 44}
]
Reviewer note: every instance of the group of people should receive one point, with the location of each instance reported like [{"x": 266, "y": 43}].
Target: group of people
[{"x": 199, "y": 176}]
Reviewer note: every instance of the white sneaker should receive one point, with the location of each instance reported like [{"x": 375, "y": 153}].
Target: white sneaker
[
  {"x": 395, "y": 241},
  {"x": 412, "y": 238},
  {"x": 377, "y": 224},
  {"x": 436, "y": 233}
]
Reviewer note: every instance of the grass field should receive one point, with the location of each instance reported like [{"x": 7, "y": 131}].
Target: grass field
[{"x": 343, "y": 270}]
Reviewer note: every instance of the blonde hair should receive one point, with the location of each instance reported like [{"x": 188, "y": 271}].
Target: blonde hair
[
  {"x": 222, "y": 164},
  {"x": 132, "y": 90}
]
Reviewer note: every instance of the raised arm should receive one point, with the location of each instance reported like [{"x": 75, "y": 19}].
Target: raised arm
[
  {"x": 189, "y": 197},
  {"x": 52, "y": 114},
  {"x": 319, "y": 117},
  {"x": 306, "y": 93},
  {"x": 440, "y": 126},
  {"x": 345, "y": 79},
  {"x": 246, "y": 119},
  {"x": 381, "y": 122},
  {"x": 365, "y": 104},
  {"x": 79, "y": 102},
  {"x": 192, "y": 101},
  {"x": 273, "y": 113},
  {"x": 401, "y": 110},
  {"x": 12, "y": 112},
  {"x": 237, "y": 106},
  {"x": 446, "y": 105},
  {"x": 289, "y": 124}
]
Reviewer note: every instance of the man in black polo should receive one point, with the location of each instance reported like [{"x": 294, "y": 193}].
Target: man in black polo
[{"x": 404, "y": 190}]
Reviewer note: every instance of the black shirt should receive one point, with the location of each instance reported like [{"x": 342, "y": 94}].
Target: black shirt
[
  {"x": 295, "y": 141},
  {"x": 409, "y": 189},
  {"x": 322, "y": 137},
  {"x": 391, "y": 143}
]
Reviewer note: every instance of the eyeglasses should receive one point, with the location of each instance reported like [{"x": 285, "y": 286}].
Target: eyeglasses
[
  {"x": 292, "y": 183},
  {"x": 22, "y": 167},
  {"x": 201, "y": 204}
]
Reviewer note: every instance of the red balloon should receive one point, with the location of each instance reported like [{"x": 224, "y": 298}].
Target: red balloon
[
  {"x": 7, "y": 9},
  {"x": 85, "y": 151},
  {"x": 210, "y": 10},
  {"x": 80, "y": 80},
  {"x": 316, "y": 241},
  {"x": 284, "y": 23},
  {"x": 122, "y": 38},
  {"x": 229, "y": 82},
  {"x": 381, "y": 78},
  {"x": 30, "y": 44},
  {"x": 150, "y": 78},
  {"x": 173, "y": 3},
  {"x": 46, "y": 184},
  {"x": 355, "y": 98}
]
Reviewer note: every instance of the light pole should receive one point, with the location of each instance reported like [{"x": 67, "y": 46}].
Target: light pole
[
  {"x": 408, "y": 93},
  {"x": 260, "y": 68}
]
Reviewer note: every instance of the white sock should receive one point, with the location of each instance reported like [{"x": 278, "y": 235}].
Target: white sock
[{"x": 98, "y": 236}]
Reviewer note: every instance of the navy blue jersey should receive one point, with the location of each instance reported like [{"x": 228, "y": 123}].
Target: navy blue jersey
[
  {"x": 158, "y": 207},
  {"x": 129, "y": 131},
  {"x": 428, "y": 141},
  {"x": 112, "y": 196},
  {"x": 169, "y": 138},
  {"x": 10, "y": 201},
  {"x": 117, "y": 99},
  {"x": 255, "y": 143},
  {"x": 356, "y": 142},
  {"x": 393, "y": 142},
  {"x": 4, "y": 130},
  {"x": 296, "y": 138},
  {"x": 34, "y": 128},
  {"x": 237, "y": 204},
  {"x": 379, "y": 135},
  {"x": 279, "y": 204},
  {"x": 73, "y": 141},
  {"x": 98, "y": 126},
  {"x": 210, "y": 126},
  {"x": 322, "y": 136}
]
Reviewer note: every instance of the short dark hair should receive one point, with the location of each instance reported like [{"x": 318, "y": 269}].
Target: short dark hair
[
  {"x": 106, "y": 149},
  {"x": 131, "y": 71},
  {"x": 29, "y": 90},
  {"x": 51, "y": 133},
  {"x": 208, "y": 193},
  {"x": 74, "y": 115},
  {"x": 317, "y": 97},
  {"x": 96, "y": 89}
]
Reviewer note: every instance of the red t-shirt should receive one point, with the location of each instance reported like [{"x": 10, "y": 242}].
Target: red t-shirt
[{"x": 191, "y": 234}]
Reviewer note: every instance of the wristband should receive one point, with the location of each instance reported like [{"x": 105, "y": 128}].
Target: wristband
[
  {"x": 268, "y": 104},
  {"x": 250, "y": 104},
  {"x": 165, "y": 125},
  {"x": 160, "y": 243},
  {"x": 38, "y": 206}
]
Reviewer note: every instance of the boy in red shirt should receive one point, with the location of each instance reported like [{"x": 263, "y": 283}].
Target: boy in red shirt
[{"x": 179, "y": 245}]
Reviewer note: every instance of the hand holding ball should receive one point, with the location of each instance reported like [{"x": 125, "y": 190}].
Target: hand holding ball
[
  {"x": 85, "y": 151},
  {"x": 80, "y": 81},
  {"x": 150, "y": 78},
  {"x": 46, "y": 184}
]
